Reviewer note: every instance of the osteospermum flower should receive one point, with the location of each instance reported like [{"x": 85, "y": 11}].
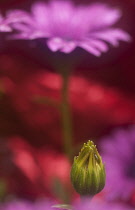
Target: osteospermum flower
[
  {"x": 118, "y": 153},
  {"x": 66, "y": 26}
]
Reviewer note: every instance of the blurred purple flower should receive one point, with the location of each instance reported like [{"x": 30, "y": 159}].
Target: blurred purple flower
[
  {"x": 26, "y": 205},
  {"x": 67, "y": 26},
  {"x": 84, "y": 205},
  {"x": 18, "y": 205},
  {"x": 100, "y": 205},
  {"x": 118, "y": 153}
]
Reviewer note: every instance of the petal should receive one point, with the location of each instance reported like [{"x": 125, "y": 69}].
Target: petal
[
  {"x": 55, "y": 44},
  {"x": 18, "y": 16},
  {"x": 113, "y": 36},
  {"x": 62, "y": 9},
  {"x": 5, "y": 28},
  {"x": 68, "y": 47},
  {"x": 88, "y": 47},
  {"x": 100, "y": 16},
  {"x": 98, "y": 44},
  {"x": 60, "y": 15},
  {"x": 41, "y": 13},
  {"x": 21, "y": 27}
]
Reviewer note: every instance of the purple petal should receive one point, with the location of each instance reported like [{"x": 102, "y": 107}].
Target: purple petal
[
  {"x": 100, "y": 45},
  {"x": 55, "y": 44},
  {"x": 5, "y": 28},
  {"x": 100, "y": 15},
  {"x": 60, "y": 18},
  {"x": 41, "y": 13},
  {"x": 112, "y": 36},
  {"x": 88, "y": 47},
  {"x": 21, "y": 27},
  {"x": 62, "y": 11},
  {"x": 68, "y": 47},
  {"x": 16, "y": 16}
]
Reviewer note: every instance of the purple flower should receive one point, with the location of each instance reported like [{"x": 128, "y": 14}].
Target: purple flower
[
  {"x": 26, "y": 205},
  {"x": 86, "y": 204},
  {"x": 100, "y": 205},
  {"x": 66, "y": 26},
  {"x": 118, "y": 153}
]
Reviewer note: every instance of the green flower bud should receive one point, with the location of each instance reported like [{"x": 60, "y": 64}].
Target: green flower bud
[{"x": 88, "y": 172}]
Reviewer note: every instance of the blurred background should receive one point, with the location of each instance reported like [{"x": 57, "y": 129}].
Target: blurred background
[{"x": 102, "y": 96}]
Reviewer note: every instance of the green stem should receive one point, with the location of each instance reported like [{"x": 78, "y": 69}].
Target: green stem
[{"x": 66, "y": 116}]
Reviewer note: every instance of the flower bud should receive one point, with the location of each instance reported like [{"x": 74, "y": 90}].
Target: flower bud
[{"x": 88, "y": 172}]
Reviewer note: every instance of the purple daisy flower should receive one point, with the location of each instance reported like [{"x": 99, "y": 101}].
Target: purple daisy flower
[
  {"x": 118, "y": 153},
  {"x": 66, "y": 26}
]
